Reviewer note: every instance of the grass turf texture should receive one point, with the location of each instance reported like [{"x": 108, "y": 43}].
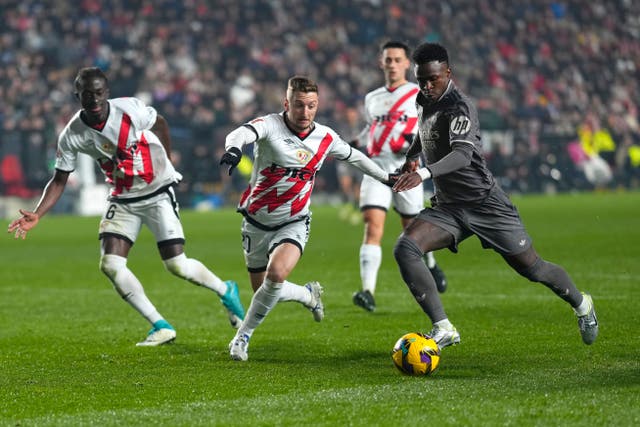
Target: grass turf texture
[{"x": 67, "y": 353}]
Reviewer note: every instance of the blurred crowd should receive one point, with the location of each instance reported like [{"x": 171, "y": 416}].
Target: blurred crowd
[{"x": 556, "y": 82}]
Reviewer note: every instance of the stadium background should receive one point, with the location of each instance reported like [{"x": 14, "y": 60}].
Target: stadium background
[{"x": 556, "y": 82}]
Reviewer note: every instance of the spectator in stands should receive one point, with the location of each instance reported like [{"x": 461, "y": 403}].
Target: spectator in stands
[{"x": 525, "y": 60}]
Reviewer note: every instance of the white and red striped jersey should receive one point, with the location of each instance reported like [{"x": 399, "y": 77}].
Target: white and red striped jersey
[
  {"x": 391, "y": 117},
  {"x": 285, "y": 167},
  {"x": 132, "y": 157}
]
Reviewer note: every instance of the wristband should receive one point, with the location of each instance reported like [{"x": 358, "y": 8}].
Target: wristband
[{"x": 424, "y": 173}]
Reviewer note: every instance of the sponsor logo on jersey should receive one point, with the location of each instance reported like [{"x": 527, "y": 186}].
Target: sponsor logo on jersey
[
  {"x": 289, "y": 141},
  {"x": 392, "y": 117},
  {"x": 460, "y": 125},
  {"x": 429, "y": 133}
]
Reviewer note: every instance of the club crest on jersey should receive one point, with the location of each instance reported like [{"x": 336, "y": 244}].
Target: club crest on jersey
[
  {"x": 108, "y": 148},
  {"x": 303, "y": 156},
  {"x": 460, "y": 125}
]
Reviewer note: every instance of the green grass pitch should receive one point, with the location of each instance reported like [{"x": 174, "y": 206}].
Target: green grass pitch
[{"x": 67, "y": 353}]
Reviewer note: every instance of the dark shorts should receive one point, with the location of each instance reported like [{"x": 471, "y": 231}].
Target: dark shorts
[{"x": 496, "y": 222}]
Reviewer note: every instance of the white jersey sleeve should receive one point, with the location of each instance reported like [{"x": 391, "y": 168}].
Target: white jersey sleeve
[
  {"x": 239, "y": 137},
  {"x": 69, "y": 142}
]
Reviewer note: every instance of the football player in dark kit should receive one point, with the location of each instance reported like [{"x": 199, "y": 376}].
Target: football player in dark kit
[{"x": 467, "y": 201}]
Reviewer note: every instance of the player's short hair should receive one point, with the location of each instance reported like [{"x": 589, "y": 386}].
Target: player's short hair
[
  {"x": 301, "y": 84},
  {"x": 89, "y": 73},
  {"x": 395, "y": 44},
  {"x": 428, "y": 52}
]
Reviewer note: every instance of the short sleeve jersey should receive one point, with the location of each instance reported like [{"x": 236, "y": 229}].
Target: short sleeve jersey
[
  {"x": 391, "y": 120},
  {"x": 131, "y": 157},
  {"x": 284, "y": 169},
  {"x": 452, "y": 120}
]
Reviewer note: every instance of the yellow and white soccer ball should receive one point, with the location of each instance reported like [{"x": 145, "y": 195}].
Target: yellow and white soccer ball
[{"x": 416, "y": 354}]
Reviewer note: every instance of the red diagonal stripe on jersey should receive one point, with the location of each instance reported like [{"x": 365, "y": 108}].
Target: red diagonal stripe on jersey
[
  {"x": 147, "y": 166},
  {"x": 376, "y": 146},
  {"x": 123, "y": 157},
  {"x": 123, "y": 136},
  {"x": 272, "y": 199}
]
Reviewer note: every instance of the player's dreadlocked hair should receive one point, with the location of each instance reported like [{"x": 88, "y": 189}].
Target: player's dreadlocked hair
[
  {"x": 89, "y": 73},
  {"x": 301, "y": 84},
  {"x": 428, "y": 52},
  {"x": 395, "y": 44}
]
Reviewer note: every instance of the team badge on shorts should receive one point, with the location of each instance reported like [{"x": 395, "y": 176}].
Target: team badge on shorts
[{"x": 460, "y": 125}]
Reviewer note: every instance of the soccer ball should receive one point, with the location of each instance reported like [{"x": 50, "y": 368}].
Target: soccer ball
[{"x": 416, "y": 354}]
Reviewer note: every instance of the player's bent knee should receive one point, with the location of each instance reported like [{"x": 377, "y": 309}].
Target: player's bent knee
[
  {"x": 276, "y": 274},
  {"x": 536, "y": 272},
  {"x": 111, "y": 264},
  {"x": 177, "y": 265},
  {"x": 405, "y": 249}
]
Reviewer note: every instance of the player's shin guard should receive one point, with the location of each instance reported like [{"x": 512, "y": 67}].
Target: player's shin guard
[
  {"x": 418, "y": 278},
  {"x": 128, "y": 286},
  {"x": 195, "y": 272},
  {"x": 370, "y": 260},
  {"x": 555, "y": 278},
  {"x": 263, "y": 301}
]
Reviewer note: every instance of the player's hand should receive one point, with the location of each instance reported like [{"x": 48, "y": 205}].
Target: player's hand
[
  {"x": 410, "y": 165},
  {"x": 407, "y": 181},
  {"x": 23, "y": 224},
  {"x": 392, "y": 178},
  {"x": 354, "y": 143},
  {"x": 232, "y": 158}
]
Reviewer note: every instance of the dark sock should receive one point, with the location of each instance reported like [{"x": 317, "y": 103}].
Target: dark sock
[{"x": 418, "y": 278}]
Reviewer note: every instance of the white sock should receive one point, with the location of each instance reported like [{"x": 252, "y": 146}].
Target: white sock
[
  {"x": 431, "y": 260},
  {"x": 444, "y": 324},
  {"x": 262, "y": 302},
  {"x": 583, "y": 308},
  {"x": 128, "y": 286},
  {"x": 195, "y": 272},
  {"x": 292, "y": 292},
  {"x": 370, "y": 260}
]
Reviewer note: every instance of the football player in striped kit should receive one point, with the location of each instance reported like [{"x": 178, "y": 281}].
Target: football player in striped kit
[
  {"x": 131, "y": 143},
  {"x": 391, "y": 117},
  {"x": 289, "y": 149}
]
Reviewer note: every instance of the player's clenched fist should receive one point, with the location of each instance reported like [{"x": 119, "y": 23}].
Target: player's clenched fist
[{"x": 232, "y": 158}]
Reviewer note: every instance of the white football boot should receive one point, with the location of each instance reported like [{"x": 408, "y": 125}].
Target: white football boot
[{"x": 316, "y": 307}]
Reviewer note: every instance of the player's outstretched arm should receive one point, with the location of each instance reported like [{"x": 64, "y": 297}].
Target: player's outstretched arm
[
  {"x": 52, "y": 192},
  {"x": 407, "y": 181},
  {"x": 233, "y": 145},
  {"x": 367, "y": 166},
  {"x": 26, "y": 222}
]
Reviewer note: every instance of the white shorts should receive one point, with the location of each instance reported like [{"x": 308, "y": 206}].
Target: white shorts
[
  {"x": 373, "y": 193},
  {"x": 258, "y": 243},
  {"x": 159, "y": 213}
]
